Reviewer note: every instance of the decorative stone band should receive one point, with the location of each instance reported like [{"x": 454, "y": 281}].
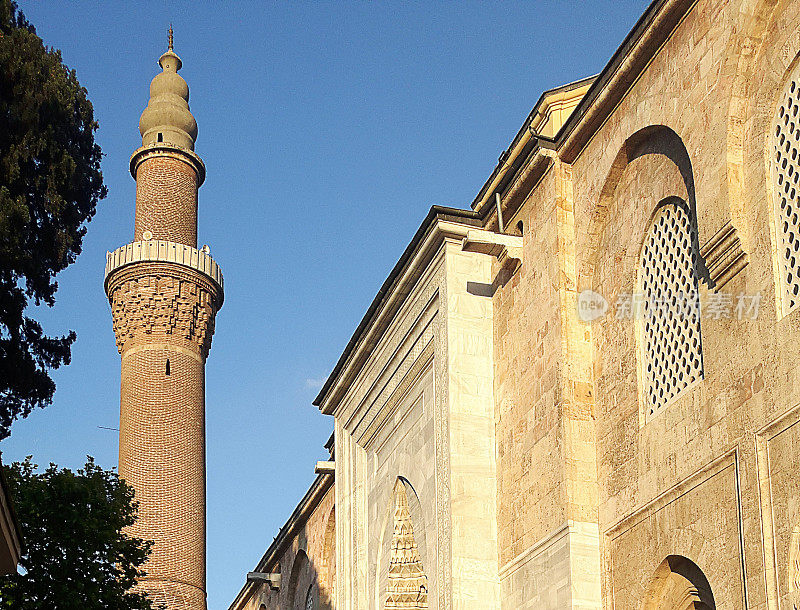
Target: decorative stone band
[
  {"x": 163, "y": 251},
  {"x": 169, "y": 150},
  {"x": 723, "y": 255},
  {"x": 159, "y": 304}
]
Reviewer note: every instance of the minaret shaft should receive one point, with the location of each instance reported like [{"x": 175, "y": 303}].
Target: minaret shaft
[
  {"x": 162, "y": 455},
  {"x": 166, "y": 200},
  {"x": 164, "y": 295}
]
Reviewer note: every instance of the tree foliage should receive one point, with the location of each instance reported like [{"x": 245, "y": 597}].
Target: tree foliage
[
  {"x": 76, "y": 555},
  {"x": 50, "y": 183}
]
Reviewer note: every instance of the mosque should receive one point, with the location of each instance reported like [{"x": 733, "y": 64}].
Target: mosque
[{"x": 580, "y": 391}]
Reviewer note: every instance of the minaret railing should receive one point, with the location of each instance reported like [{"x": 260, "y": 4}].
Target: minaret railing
[{"x": 163, "y": 251}]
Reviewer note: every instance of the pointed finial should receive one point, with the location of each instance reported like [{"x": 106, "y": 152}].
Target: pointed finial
[{"x": 170, "y": 37}]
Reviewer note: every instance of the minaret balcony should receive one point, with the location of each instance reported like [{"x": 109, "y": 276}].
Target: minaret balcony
[{"x": 159, "y": 250}]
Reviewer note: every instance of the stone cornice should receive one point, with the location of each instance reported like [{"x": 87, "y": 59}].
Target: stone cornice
[
  {"x": 163, "y": 149},
  {"x": 607, "y": 90}
]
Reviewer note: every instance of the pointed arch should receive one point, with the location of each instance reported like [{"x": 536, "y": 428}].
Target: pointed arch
[
  {"x": 760, "y": 58},
  {"x": 328, "y": 575},
  {"x": 742, "y": 58},
  {"x": 300, "y": 565},
  {"x": 653, "y": 139},
  {"x": 678, "y": 584}
]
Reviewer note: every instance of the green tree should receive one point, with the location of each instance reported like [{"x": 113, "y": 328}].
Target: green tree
[
  {"x": 50, "y": 183},
  {"x": 76, "y": 555}
]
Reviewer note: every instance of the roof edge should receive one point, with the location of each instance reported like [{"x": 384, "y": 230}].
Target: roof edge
[
  {"x": 631, "y": 60},
  {"x": 614, "y": 80},
  {"x": 311, "y": 500},
  {"x": 435, "y": 213},
  {"x": 525, "y": 125}
]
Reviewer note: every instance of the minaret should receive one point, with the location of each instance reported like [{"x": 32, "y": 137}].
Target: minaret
[{"x": 164, "y": 295}]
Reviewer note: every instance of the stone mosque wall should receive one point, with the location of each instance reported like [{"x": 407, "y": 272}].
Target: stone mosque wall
[{"x": 604, "y": 412}]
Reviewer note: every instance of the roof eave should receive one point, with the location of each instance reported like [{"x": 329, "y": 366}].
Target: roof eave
[
  {"x": 311, "y": 500},
  {"x": 606, "y": 91},
  {"x": 435, "y": 214}
]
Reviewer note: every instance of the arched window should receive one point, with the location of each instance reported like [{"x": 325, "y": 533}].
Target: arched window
[
  {"x": 310, "y": 598},
  {"x": 671, "y": 350},
  {"x": 785, "y": 173}
]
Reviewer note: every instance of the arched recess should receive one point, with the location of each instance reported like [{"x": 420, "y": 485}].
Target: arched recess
[
  {"x": 651, "y": 140},
  {"x": 678, "y": 584},
  {"x": 297, "y": 586},
  {"x": 759, "y": 61},
  {"x": 328, "y": 572}
]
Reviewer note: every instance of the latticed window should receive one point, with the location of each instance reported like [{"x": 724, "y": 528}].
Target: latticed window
[
  {"x": 671, "y": 348},
  {"x": 310, "y": 598},
  {"x": 785, "y": 172}
]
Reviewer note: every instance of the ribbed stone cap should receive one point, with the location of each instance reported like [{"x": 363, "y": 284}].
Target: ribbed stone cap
[{"x": 167, "y": 117}]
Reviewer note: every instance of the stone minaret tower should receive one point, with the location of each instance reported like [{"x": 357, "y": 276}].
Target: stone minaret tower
[{"x": 164, "y": 294}]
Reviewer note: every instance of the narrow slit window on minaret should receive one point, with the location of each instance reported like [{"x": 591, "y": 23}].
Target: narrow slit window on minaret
[
  {"x": 167, "y": 366},
  {"x": 161, "y": 137}
]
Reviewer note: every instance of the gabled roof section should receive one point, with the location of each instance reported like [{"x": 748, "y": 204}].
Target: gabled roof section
[
  {"x": 546, "y": 118},
  {"x": 597, "y": 101}
]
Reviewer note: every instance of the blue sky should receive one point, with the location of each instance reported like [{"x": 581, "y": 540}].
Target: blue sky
[{"x": 328, "y": 130}]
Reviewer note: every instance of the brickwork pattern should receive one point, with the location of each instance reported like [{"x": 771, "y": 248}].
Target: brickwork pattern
[
  {"x": 163, "y": 314},
  {"x": 164, "y": 320},
  {"x": 162, "y": 454},
  {"x": 166, "y": 200},
  {"x": 153, "y": 302},
  {"x": 174, "y": 595}
]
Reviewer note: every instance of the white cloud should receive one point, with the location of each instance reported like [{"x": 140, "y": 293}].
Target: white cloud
[{"x": 315, "y": 384}]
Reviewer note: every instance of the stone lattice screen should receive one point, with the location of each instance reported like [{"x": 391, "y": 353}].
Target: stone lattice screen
[
  {"x": 786, "y": 169},
  {"x": 671, "y": 348}
]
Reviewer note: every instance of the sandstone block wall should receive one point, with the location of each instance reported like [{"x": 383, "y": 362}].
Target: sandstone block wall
[
  {"x": 598, "y": 503},
  {"x": 708, "y": 478}
]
